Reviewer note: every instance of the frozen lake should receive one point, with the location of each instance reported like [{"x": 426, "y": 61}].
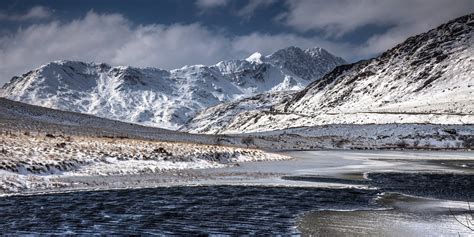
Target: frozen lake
[{"x": 419, "y": 192}]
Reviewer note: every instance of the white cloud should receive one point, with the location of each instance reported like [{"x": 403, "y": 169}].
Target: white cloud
[
  {"x": 37, "y": 12},
  {"x": 249, "y": 9},
  {"x": 205, "y": 4},
  {"x": 172, "y": 46},
  {"x": 113, "y": 39},
  {"x": 246, "y": 12},
  {"x": 338, "y": 17},
  {"x": 402, "y": 18}
]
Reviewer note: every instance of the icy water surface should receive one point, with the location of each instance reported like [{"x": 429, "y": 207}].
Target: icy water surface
[
  {"x": 174, "y": 210},
  {"x": 413, "y": 191},
  {"x": 389, "y": 223}
]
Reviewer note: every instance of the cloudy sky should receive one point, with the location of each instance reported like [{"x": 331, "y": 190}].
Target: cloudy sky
[{"x": 172, "y": 33}]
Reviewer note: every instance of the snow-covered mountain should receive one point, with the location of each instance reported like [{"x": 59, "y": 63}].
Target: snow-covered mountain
[
  {"x": 163, "y": 98},
  {"x": 221, "y": 116},
  {"x": 429, "y": 78}
]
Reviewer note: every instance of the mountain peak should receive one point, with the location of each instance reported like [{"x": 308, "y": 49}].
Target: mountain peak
[
  {"x": 291, "y": 50},
  {"x": 307, "y": 64},
  {"x": 406, "y": 78},
  {"x": 158, "y": 97},
  {"x": 64, "y": 63},
  {"x": 255, "y": 57},
  {"x": 317, "y": 52},
  {"x": 429, "y": 78}
]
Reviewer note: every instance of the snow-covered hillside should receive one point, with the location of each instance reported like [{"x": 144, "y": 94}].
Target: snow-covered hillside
[
  {"x": 163, "y": 98},
  {"x": 429, "y": 78},
  {"x": 39, "y": 144},
  {"x": 213, "y": 119},
  {"x": 19, "y": 118}
]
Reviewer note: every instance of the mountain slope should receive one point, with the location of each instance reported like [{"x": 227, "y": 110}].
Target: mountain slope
[
  {"x": 403, "y": 79},
  {"x": 213, "y": 119},
  {"x": 429, "y": 78},
  {"x": 163, "y": 98},
  {"x": 17, "y": 116}
]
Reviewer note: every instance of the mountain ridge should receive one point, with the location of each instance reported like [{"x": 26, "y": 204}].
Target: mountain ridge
[
  {"x": 429, "y": 78},
  {"x": 162, "y": 98}
]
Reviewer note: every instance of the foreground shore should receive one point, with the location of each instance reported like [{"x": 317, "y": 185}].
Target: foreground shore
[
  {"x": 61, "y": 166},
  {"x": 42, "y": 162},
  {"x": 418, "y": 191}
]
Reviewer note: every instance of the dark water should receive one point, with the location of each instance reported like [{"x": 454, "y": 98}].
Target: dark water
[
  {"x": 198, "y": 210},
  {"x": 233, "y": 210},
  {"x": 448, "y": 186}
]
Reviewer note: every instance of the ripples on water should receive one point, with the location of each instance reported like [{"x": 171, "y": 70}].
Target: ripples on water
[
  {"x": 195, "y": 210},
  {"x": 425, "y": 184},
  {"x": 448, "y": 186},
  {"x": 174, "y": 210}
]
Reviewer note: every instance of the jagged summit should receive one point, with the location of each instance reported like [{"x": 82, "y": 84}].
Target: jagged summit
[
  {"x": 297, "y": 60},
  {"x": 255, "y": 57},
  {"x": 159, "y": 97},
  {"x": 436, "y": 62}
]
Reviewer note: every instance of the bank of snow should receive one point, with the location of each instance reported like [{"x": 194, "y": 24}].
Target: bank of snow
[{"x": 31, "y": 162}]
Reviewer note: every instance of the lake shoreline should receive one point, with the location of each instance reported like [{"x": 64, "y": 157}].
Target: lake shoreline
[{"x": 389, "y": 185}]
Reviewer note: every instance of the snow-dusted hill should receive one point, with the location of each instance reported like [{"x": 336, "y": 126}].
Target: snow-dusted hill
[
  {"x": 429, "y": 78},
  {"x": 213, "y": 119},
  {"x": 20, "y": 117},
  {"x": 163, "y": 98}
]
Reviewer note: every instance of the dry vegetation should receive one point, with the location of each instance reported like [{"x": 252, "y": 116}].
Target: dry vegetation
[
  {"x": 49, "y": 153},
  {"x": 34, "y": 161}
]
